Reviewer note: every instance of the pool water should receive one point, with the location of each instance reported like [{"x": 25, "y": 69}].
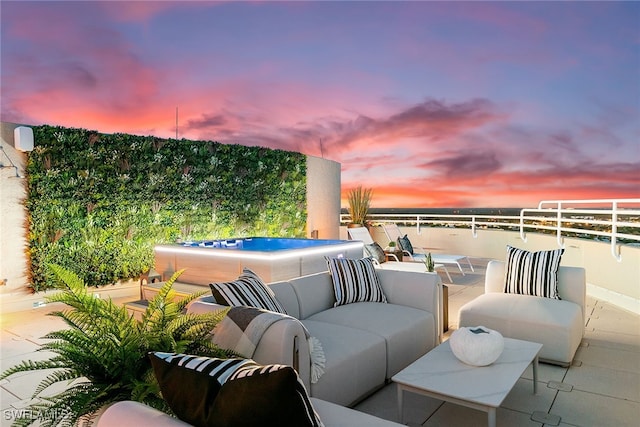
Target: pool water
[
  {"x": 263, "y": 244},
  {"x": 272, "y": 258}
]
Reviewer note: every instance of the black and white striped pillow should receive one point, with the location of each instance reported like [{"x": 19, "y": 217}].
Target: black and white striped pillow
[
  {"x": 205, "y": 391},
  {"x": 247, "y": 290},
  {"x": 355, "y": 280},
  {"x": 532, "y": 273}
]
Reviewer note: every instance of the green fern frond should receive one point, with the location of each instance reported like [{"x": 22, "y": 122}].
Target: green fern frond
[
  {"x": 195, "y": 326},
  {"x": 168, "y": 286},
  {"x": 68, "y": 279},
  {"x": 58, "y": 376},
  {"x": 184, "y": 302},
  {"x": 30, "y": 365},
  {"x": 102, "y": 353}
]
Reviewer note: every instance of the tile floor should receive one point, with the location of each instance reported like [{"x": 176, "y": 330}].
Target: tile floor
[{"x": 601, "y": 388}]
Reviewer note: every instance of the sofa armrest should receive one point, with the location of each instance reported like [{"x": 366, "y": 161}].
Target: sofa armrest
[
  {"x": 129, "y": 413},
  {"x": 494, "y": 277},
  {"x": 419, "y": 290},
  {"x": 284, "y": 342},
  {"x": 572, "y": 286}
]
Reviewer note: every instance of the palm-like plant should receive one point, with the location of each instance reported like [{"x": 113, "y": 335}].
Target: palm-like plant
[
  {"x": 359, "y": 200},
  {"x": 103, "y": 356}
]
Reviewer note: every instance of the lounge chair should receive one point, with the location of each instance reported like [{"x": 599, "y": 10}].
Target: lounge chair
[
  {"x": 393, "y": 234},
  {"x": 362, "y": 234}
]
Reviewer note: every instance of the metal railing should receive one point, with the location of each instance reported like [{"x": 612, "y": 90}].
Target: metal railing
[{"x": 614, "y": 220}]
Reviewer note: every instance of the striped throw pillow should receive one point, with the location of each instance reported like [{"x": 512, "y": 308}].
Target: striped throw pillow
[
  {"x": 532, "y": 273},
  {"x": 248, "y": 290},
  {"x": 355, "y": 280},
  {"x": 204, "y": 391}
]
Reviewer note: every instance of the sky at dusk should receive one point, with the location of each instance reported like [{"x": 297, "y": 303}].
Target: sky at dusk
[{"x": 431, "y": 104}]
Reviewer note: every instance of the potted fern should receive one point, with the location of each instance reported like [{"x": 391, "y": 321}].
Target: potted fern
[
  {"x": 102, "y": 357},
  {"x": 359, "y": 201}
]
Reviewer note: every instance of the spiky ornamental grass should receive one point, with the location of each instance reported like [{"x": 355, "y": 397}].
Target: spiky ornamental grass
[
  {"x": 103, "y": 356},
  {"x": 359, "y": 200}
]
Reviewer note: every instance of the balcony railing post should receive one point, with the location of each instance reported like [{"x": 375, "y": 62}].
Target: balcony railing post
[
  {"x": 614, "y": 232},
  {"x": 559, "y": 226},
  {"x": 474, "y": 233},
  {"x": 523, "y": 235}
]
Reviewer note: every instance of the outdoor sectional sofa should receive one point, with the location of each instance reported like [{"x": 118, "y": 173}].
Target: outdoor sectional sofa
[
  {"x": 364, "y": 343},
  {"x": 129, "y": 413}
]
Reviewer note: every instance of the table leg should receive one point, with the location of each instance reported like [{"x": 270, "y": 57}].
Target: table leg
[
  {"x": 491, "y": 417},
  {"x": 400, "y": 412},
  {"x": 535, "y": 375}
]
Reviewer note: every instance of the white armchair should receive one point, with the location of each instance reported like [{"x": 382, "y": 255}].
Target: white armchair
[{"x": 557, "y": 324}]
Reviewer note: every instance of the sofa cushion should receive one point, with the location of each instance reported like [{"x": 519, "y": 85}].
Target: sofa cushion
[
  {"x": 247, "y": 290},
  {"x": 532, "y": 273},
  {"x": 407, "y": 331},
  {"x": 211, "y": 392},
  {"x": 314, "y": 292},
  {"x": 556, "y": 324},
  {"x": 339, "y": 416},
  {"x": 354, "y": 280},
  {"x": 286, "y": 296},
  {"x": 355, "y": 362}
]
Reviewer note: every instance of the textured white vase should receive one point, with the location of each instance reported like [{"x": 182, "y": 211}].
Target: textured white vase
[{"x": 476, "y": 345}]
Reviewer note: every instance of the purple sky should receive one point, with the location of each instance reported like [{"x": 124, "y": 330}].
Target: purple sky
[{"x": 444, "y": 104}]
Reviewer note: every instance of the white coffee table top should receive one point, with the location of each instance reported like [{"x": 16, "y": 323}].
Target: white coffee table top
[{"x": 441, "y": 373}]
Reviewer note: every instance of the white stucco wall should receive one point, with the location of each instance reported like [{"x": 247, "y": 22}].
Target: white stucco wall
[
  {"x": 323, "y": 197},
  {"x": 13, "y": 242}
]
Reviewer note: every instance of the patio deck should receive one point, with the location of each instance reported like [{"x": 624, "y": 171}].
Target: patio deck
[{"x": 601, "y": 388}]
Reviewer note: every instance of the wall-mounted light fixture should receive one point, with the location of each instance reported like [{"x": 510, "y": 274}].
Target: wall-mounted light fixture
[{"x": 23, "y": 138}]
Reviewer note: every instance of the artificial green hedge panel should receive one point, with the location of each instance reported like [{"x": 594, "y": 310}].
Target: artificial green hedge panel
[{"x": 98, "y": 203}]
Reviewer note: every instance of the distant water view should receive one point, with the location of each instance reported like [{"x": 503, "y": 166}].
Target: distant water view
[
  {"x": 448, "y": 211},
  {"x": 586, "y": 224}
]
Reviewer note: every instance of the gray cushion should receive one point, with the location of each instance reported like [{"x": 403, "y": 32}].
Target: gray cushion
[
  {"x": 556, "y": 324},
  {"x": 406, "y": 331},
  {"x": 333, "y": 415},
  {"x": 352, "y": 354},
  {"x": 315, "y": 293}
]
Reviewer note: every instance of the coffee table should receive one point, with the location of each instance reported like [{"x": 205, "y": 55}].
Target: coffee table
[{"x": 439, "y": 374}]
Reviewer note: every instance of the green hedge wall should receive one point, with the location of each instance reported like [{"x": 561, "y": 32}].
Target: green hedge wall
[{"x": 98, "y": 203}]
